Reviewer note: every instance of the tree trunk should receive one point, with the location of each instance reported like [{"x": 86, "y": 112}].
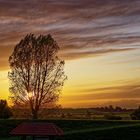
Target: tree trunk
[{"x": 35, "y": 115}]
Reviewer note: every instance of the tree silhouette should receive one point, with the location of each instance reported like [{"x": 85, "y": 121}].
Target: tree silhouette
[
  {"x": 5, "y": 111},
  {"x": 37, "y": 74},
  {"x": 135, "y": 115}
]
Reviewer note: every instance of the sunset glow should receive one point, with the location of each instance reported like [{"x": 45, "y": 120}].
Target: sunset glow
[{"x": 99, "y": 41}]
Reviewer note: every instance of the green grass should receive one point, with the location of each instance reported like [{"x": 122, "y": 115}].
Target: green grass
[{"x": 84, "y": 129}]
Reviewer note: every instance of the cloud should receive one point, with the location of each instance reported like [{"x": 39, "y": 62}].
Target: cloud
[
  {"x": 76, "y": 55},
  {"x": 125, "y": 103},
  {"x": 125, "y": 96},
  {"x": 108, "y": 95},
  {"x": 82, "y": 28}
]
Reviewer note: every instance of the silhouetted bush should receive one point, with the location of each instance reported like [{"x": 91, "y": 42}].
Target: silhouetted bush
[
  {"x": 5, "y": 111},
  {"x": 136, "y": 114},
  {"x": 112, "y": 117}
]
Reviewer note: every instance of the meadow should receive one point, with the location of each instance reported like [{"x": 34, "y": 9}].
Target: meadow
[{"x": 83, "y": 129}]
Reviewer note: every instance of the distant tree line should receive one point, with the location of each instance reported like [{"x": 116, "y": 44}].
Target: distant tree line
[
  {"x": 111, "y": 108},
  {"x": 58, "y": 112}
]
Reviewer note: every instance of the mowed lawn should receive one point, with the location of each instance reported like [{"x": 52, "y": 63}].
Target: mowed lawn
[{"x": 83, "y": 129}]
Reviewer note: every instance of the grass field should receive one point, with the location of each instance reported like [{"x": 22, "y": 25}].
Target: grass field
[{"x": 83, "y": 129}]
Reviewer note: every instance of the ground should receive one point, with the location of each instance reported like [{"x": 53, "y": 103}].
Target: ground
[{"x": 84, "y": 129}]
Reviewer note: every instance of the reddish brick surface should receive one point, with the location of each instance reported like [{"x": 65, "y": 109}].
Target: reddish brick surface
[{"x": 37, "y": 129}]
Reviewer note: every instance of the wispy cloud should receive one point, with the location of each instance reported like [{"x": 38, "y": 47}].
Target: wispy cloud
[
  {"x": 124, "y": 91},
  {"x": 82, "y": 28},
  {"x": 125, "y": 96}
]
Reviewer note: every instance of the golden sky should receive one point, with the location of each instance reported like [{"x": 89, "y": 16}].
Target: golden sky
[{"x": 99, "y": 41}]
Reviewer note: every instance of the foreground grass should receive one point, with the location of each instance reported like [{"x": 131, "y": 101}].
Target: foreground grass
[
  {"x": 120, "y": 133},
  {"x": 83, "y": 129}
]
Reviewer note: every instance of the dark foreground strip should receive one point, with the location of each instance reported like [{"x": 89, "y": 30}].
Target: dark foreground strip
[{"x": 100, "y": 129}]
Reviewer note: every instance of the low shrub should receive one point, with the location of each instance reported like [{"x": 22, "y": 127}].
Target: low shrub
[{"x": 135, "y": 115}]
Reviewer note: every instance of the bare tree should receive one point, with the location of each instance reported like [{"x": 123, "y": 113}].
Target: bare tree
[{"x": 37, "y": 74}]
